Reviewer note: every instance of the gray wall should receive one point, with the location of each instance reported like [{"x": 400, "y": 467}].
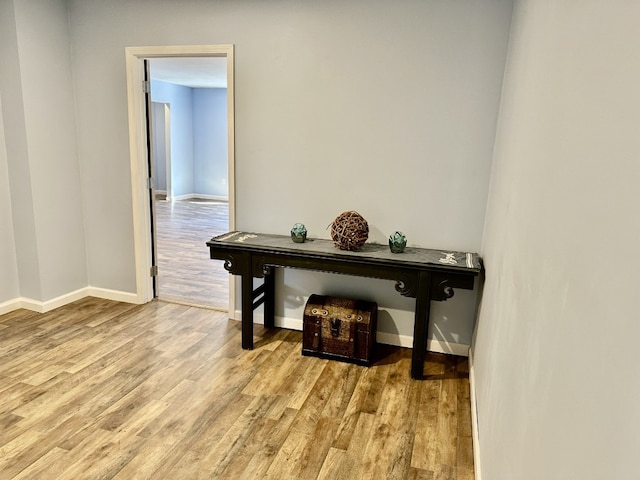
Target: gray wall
[
  {"x": 210, "y": 140},
  {"x": 394, "y": 118},
  {"x": 9, "y": 283},
  {"x": 556, "y": 352},
  {"x": 159, "y": 146},
  {"x": 17, "y": 156},
  {"x": 198, "y": 139},
  {"x": 42, "y": 160},
  {"x": 180, "y": 99}
]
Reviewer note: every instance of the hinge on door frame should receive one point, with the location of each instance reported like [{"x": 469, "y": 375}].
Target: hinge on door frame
[
  {"x": 146, "y": 87},
  {"x": 149, "y": 183},
  {"x": 153, "y": 272}
]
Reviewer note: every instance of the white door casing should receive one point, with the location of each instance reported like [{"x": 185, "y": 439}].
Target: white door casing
[{"x": 135, "y": 57}]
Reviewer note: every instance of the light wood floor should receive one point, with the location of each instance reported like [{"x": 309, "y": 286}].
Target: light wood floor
[
  {"x": 99, "y": 390},
  {"x": 186, "y": 273}
]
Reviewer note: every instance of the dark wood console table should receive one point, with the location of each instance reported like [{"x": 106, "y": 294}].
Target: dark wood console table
[{"x": 419, "y": 273}]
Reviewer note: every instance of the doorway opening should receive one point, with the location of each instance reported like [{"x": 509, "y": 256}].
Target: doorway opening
[
  {"x": 191, "y": 193},
  {"x": 184, "y": 215}
]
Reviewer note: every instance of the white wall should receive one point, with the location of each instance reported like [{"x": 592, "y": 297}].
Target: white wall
[
  {"x": 556, "y": 350},
  {"x": 387, "y": 108}
]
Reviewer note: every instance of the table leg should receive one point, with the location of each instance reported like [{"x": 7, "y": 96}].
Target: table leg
[
  {"x": 421, "y": 325},
  {"x": 270, "y": 298},
  {"x": 247, "y": 304}
]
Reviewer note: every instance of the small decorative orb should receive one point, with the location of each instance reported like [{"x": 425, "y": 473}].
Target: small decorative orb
[
  {"x": 397, "y": 242},
  {"x": 349, "y": 231},
  {"x": 299, "y": 233}
]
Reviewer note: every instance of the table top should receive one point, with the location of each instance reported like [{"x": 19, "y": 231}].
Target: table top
[{"x": 261, "y": 242}]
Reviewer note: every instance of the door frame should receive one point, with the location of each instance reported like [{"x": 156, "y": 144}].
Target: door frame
[
  {"x": 166, "y": 116},
  {"x": 138, "y": 152}
]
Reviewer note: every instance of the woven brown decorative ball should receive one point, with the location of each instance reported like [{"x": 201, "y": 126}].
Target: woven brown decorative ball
[{"x": 349, "y": 231}]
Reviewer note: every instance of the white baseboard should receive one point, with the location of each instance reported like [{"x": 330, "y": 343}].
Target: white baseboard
[
  {"x": 433, "y": 345},
  {"x": 48, "y": 305},
  {"x": 115, "y": 295},
  {"x": 474, "y": 420},
  {"x": 218, "y": 198},
  {"x": 10, "y": 305},
  {"x": 394, "y": 339},
  {"x": 202, "y": 196},
  {"x": 42, "y": 307}
]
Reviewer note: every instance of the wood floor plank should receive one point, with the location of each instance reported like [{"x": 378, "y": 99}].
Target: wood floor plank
[
  {"x": 232, "y": 442},
  {"x": 274, "y": 370},
  {"x": 334, "y": 465},
  {"x": 244, "y": 453},
  {"x": 424, "y": 447},
  {"x": 306, "y": 382},
  {"x": 447, "y": 441},
  {"x": 13, "y": 464},
  {"x": 211, "y": 413},
  {"x": 102, "y": 455},
  {"x": 374, "y": 393},
  {"x": 186, "y": 273},
  {"x": 317, "y": 448},
  {"x": 354, "y": 408},
  {"x": 444, "y": 472},
  {"x": 354, "y": 463},
  {"x": 19, "y": 446},
  {"x": 217, "y": 441},
  {"x": 404, "y": 435},
  {"x": 41, "y": 469},
  {"x": 419, "y": 474},
  {"x": 340, "y": 396},
  {"x": 388, "y": 452},
  {"x": 17, "y": 394},
  {"x": 464, "y": 452},
  {"x": 270, "y": 444},
  {"x": 100, "y": 390},
  {"x": 293, "y": 456},
  {"x": 92, "y": 390}
]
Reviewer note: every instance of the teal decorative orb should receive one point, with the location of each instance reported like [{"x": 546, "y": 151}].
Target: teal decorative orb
[
  {"x": 299, "y": 233},
  {"x": 397, "y": 242}
]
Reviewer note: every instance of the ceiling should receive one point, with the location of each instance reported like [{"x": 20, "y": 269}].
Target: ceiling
[{"x": 194, "y": 72}]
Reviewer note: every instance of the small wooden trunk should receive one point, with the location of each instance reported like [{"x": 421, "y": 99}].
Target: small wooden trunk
[{"x": 340, "y": 329}]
